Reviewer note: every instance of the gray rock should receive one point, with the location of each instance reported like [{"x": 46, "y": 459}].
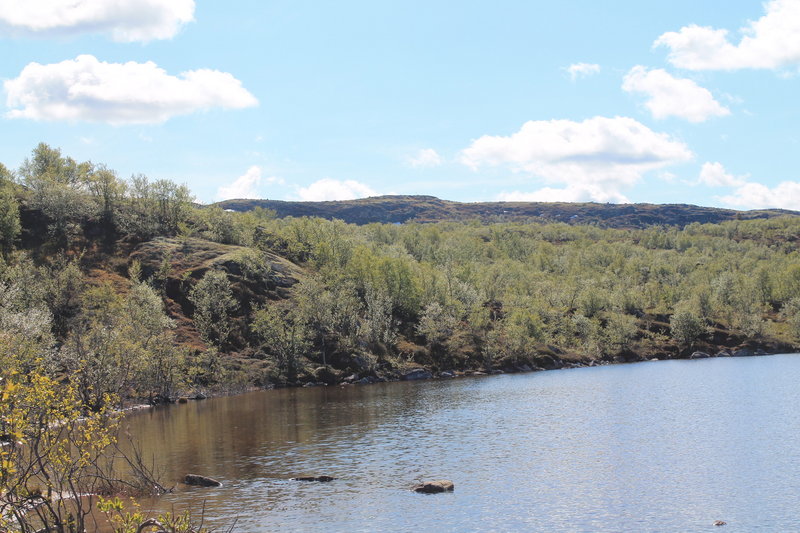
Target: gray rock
[
  {"x": 744, "y": 352},
  {"x": 447, "y": 374},
  {"x": 699, "y": 355},
  {"x": 724, "y": 353},
  {"x": 201, "y": 481},
  {"x": 434, "y": 487},
  {"x": 417, "y": 373}
]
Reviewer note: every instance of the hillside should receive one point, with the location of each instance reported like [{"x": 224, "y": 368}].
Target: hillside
[{"x": 400, "y": 209}]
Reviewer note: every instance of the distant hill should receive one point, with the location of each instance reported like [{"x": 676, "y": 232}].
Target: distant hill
[{"x": 399, "y": 209}]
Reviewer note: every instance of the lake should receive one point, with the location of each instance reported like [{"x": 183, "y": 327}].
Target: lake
[{"x": 656, "y": 446}]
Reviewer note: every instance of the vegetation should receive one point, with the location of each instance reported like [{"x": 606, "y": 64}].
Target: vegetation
[{"x": 114, "y": 291}]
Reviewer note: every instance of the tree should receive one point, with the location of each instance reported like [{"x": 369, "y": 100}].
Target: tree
[
  {"x": 9, "y": 219},
  {"x": 56, "y": 184},
  {"x": 686, "y": 327},
  {"x": 213, "y": 301},
  {"x": 107, "y": 190},
  {"x": 285, "y": 334}
]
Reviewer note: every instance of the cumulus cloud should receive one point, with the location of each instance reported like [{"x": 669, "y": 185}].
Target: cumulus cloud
[
  {"x": 123, "y": 20},
  {"x": 86, "y": 89},
  {"x": 427, "y": 157},
  {"x": 771, "y": 42},
  {"x": 597, "y": 156},
  {"x": 785, "y": 195},
  {"x": 329, "y": 189},
  {"x": 714, "y": 175},
  {"x": 582, "y": 70},
  {"x": 246, "y": 185},
  {"x": 668, "y": 96},
  {"x": 580, "y": 193}
]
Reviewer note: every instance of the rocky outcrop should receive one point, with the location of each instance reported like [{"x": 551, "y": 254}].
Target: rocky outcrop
[
  {"x": 434, "y": 487},
  {"x": 200, "y": 481}
]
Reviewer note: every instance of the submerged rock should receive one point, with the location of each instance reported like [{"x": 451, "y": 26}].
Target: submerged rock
[
  {"x": 720, "y": 523},
  {"x": 434, "y": 487},
  {"x": 201, "y": 481},
  {"x": 321, "y": 479}
]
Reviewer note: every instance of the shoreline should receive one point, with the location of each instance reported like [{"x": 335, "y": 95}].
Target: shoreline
[{"x": 422, "y": 373}]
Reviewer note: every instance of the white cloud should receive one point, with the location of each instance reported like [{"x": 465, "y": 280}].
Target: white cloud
[
  {"x": 673, "y": 97},
  {"x": 596, "y": 157},
  {"x": 246, "y": 185},
  {"x": 785, "y": 195},
  {"x": 580, "y": 193},
  {"x": 123, "y": 20},
  {"x": 329, "y": 189},
  {"x": 87, "y": 89},
  {"x": 714, "y": 175},
  {"x": 582, "y": 70},
  {"x": 427, "y": 157},
  {"x": 770, "y": 42}
]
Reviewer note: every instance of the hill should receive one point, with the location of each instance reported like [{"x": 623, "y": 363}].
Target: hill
[{"x": 401, "y": 209}]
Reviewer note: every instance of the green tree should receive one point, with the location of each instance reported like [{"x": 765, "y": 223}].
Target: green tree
[
  {"x": 9, "y": 219},
  {"x": 214, "y": 303},
  {"x": 686, "y": 327},
  {"x": 285, "y": 334}
]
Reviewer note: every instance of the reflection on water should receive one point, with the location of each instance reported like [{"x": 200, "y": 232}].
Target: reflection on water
[{"x": 666, "y": 446}]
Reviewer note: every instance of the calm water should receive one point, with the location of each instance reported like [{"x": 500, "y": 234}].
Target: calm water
[{"x": 659, "y": 446}]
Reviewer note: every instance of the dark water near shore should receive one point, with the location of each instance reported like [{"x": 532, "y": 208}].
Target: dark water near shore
[{"x": 659, "y": 446}]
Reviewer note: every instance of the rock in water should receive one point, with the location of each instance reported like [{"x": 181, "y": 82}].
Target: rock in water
[
  {"x": 321, "y": 479},
  {"x": 720, "y": 523},
  {"x": 433, "y": 487},
  {"x": 201, "y": 481}
]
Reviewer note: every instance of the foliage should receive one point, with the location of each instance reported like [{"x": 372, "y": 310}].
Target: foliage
[
  {"x": 213, "y": 301},
  {"x": 9, "y": 219},
  {"x": 286, "y": 335},
  {"x": 686, "y": 327}
]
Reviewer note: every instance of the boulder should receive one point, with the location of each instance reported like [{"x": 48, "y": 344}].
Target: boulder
[
  {"x": 201, "y": 481},
  {"x": 326, "y": 375},
  {"x": 434, "y": 487},
  {"x": 447, "y": 374},
  {"x": 320, "y": 479},
  {"x": 699, "y": 355},
  {"x": 415, "y": 374},
  {"x": 744, "y": 352},
  {"x": 724, "y": 353},
  {"x": 720, "y": 523}
]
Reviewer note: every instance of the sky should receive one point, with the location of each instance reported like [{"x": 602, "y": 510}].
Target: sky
[{"x": 577, "y": 100}]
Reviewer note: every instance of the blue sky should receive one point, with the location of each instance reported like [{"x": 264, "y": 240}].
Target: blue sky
[{"x": 623, "y": 101}]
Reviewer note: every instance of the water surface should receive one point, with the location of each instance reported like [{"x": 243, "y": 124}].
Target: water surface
[{"x": 658, "y": 446}]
